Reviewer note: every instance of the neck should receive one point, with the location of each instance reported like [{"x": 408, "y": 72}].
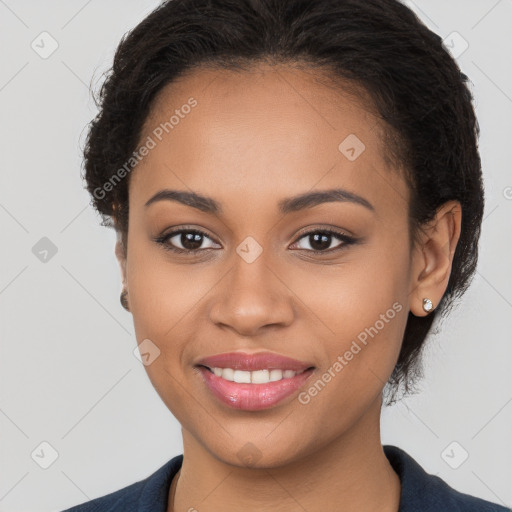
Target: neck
[{"x": 351, "y": 471}]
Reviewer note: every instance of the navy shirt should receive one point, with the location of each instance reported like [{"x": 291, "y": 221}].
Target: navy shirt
[{"x": 421, "y": 492}]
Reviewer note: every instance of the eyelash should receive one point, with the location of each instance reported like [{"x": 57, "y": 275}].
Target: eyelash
[{"x": 163, "y": 241}]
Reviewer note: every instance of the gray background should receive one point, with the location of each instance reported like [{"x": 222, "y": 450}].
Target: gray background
[{"x": 68, "y": 374}]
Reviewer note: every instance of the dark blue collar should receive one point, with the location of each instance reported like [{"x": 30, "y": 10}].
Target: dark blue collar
[
  {"x": 423, "y": 492},
  {"x": 420, "y": 491}
]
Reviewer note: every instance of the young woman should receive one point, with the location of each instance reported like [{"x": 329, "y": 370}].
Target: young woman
[{"x": 297, "y": 194}]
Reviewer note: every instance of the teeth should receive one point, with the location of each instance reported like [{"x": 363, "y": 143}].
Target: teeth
[
  {"x": 275, "y": 375},
  {"x": 254, "y": 377},
  {"x": 260, "y": 377},
  {"x": 228, "y": 374},
  {"x": 241, "y": 376}
]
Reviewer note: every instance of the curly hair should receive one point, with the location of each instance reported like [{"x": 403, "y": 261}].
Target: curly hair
[{"x": 378, "y": 46}]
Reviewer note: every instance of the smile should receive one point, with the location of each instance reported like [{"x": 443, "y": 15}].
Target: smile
[{"x": 254, "y": 377}]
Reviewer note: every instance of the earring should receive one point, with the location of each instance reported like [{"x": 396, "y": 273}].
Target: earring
[
  {"x": 124, "y": 300},
  {"x": 427, "y": 305}
]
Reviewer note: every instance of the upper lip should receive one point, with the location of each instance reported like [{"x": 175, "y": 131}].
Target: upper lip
[{"x": 251, "y": 362}]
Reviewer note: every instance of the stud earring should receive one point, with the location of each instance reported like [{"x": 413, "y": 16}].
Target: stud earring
[
  {"x": 427, "y": 305},
  {"x": 124, "y": 300}
]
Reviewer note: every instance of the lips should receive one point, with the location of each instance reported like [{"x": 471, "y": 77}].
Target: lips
[
  {"x": 253, "y": 362},
  {"x": 253, "y": 382}
]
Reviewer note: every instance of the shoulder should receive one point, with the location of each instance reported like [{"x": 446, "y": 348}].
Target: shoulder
[
  {"x": 145, "y": 495},
  {"x": 423, "y": 492}
]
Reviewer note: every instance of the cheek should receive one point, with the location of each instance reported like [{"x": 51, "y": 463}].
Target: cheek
[
  {"x": 360, "y": 311},
  {"x": 162, "y": 301},
  {"x": 166, "y": 300},
  {"x": 348, "y": 297},
  {"x": 162, "y": 296}
]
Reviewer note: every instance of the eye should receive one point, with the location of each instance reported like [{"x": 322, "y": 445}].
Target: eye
[
  {"x": 190, "y": 240},
  {"x": 320, "y": 240}
]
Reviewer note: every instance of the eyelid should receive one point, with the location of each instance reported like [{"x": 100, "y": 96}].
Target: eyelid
[
  {"x": 165, "y": 237},
  {"x": 344, "y": 238},
  {"x": 313, "y": 228}
]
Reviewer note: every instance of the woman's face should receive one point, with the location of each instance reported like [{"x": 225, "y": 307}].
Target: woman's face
[{"x": 267, "y": 278}]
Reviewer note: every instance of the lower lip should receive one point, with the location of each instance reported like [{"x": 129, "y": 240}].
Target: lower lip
[{"x": 253, "y": 397}]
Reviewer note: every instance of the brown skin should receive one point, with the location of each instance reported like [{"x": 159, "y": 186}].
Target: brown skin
[{"x": 252, "y": 140}]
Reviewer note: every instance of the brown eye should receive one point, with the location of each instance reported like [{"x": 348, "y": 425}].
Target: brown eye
[
  {"x": 188, "y": 241},
  {"x": 321, "y": 240},
  {"x": 184, "y": 241}
]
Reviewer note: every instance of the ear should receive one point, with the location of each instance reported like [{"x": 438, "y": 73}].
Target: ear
[
  {"x": 121, "y": 258},
  {"x": 433, "y": 257}
]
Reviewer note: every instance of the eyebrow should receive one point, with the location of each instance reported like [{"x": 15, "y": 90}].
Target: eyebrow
[{"x": 292, "y": 204}]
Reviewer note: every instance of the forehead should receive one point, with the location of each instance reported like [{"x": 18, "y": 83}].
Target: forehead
[{"x": 276, "y": 131}]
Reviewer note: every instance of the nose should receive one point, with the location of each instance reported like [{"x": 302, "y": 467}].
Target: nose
[{"x": 252, "y": 297}]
